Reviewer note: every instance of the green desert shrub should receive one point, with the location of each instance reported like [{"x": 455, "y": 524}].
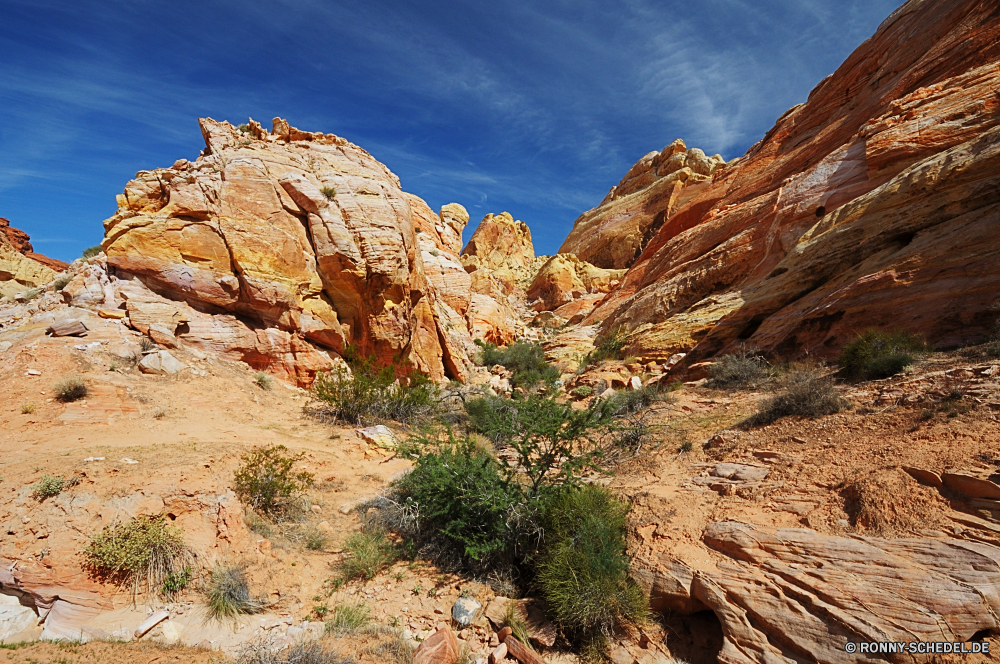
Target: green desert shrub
[
  {"x": 583, "y": 572},
  {"x": 143, "y": 552},
  {"x": 61, "y": 281},
  {"x": 266, "y": 482},
  {"x": 48, "y": 487},
  {"x": 263, "y": 650},
  {"x": 608, "y": 346},
  {"x": 552, "y": 442},
  {"x": 227, "y": 592},
  {"x": 370, "y": 394},
  {"x": 262, "y": 380},
  {"x": 743, "y": 369},
  {"x": 525, "y": 360},
  {"x": 876, "y": 354},
  {"x": 90, "y": 252},
  {"x": 630, "y": 402},
  {"x": 70, "y": 389},
  {"x": 32, "y": 294},
  {"x": 27, "y": 408},
  {"x": 804, "y": 393},
  {"x": 329, "y": 192},
  {"x": 458, "y": 491},
  {"x": 583, "y": 391},
  {"x": 348, "y": 617}
]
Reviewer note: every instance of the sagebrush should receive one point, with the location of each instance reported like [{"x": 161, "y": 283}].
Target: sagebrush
[
  {"x": 266, "y": 481},
  {"x": 878, "y": 354},
  {"x": 137, "y": 554},
  {"x": 369, "y": 393},
  {"x": 742, "y": 369},
  {"x": 804, "y": 393},
  {"x": 71, "y": 389}
]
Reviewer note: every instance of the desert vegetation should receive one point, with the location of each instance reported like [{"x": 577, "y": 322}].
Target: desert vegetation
[
  {"x": 368, "y": 393},
  {"x": 744, "y": 369},
  {"x": 143, "y": 553},
  {"x": 803, "y": 392},
  {"x": 877, "y": 354},
  {"x": 228, "y": 595},
  {"x": 267, "y": 483},
  {"x": 525, "y": 360},
  {"x": 70, "y": 389}
]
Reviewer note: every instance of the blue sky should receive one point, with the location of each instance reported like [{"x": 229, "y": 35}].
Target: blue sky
[{"x": 536, "y": 108}]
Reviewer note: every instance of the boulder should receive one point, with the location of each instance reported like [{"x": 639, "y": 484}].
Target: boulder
[
  {"x": 968, "y": 486},
  {"x": 874, "y": 203},
  {"x": 17, "y": 271},
  {"x": 564, "y": 278},
  {"x": 501, "y": 246},
  {"x": 378, "y": 435},
  {"x": 67, "y": 328},
  {"x": 160, "y": 363},
  {"x": 441, "y": 647},
  {"x": 464, "y": 610}
]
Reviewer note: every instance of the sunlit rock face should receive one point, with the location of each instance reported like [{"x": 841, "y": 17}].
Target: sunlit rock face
[
  {"x": 875, "y": 203},
  {"x": 303, "y": 238}
]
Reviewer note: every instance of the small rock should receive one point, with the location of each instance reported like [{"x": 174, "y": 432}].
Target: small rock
[
  {"x": 464, "y": 610},
  {"x": 316, "y": 508},
  {"x": 160, "y": 363},
  {"x": 33, "y": 372},
  {"x": 128, "y": 461},
  {"x": 379, "y": 435},
  {"x": 499, "y": 653},
  {"x": 635, "y": 383},
  {"x": 801, "y": 441},
  {"x": 116, "y": 314}
]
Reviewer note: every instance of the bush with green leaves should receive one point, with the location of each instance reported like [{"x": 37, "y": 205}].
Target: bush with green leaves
[
  {"x": 90, "y": 252},
  {"x": 745, "y": 368},
  {"x": 143, "y": 552},
  {"x": 228, "y": 593},
  {"x": 176, "y": 582},
  {"x": 608, "y": 346},
  {"x": 583, "y": 570},
  {"x": 525, "y": 360},
  {"x": 48, "y": 487},
  {"x": 876, "y": 354},
  {"x": 458, "y": 489},
  {"x": 262, "y": 380},
  {"x": 552, "y": 442},
  {"x": 266, "y": 482},
  {"x": 71, "y": 389},
  {"x": 803, "y": 393},
  {"x": 370, "y": 394},
  {"x": 329, "y": 192}
]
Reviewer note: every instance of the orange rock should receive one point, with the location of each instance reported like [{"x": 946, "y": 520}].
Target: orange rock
[
  {"x": 873, "y": 204},
  {"x": 441, "y": 647},
  {"x": 564, "y": 278},
  {"x": 308, "y": 238}
]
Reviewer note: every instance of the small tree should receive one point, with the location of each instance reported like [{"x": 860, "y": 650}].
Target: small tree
[
  {"x": 265, "y": 481},
  {"x": 554, "y": 442}
]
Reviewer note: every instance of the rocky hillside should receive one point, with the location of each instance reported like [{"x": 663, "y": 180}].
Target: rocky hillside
[{"x": 875, "y": 203}]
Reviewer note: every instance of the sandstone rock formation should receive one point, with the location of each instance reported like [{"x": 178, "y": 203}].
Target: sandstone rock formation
[
  {"x": 792, "y": 595},
  {"x": 613, "y": 234},
  {"x": 875, "y": 203},
  {"x": 21, "y": 242},
  {"x": 565, "y": 278},
  {"x": 21, "y": 268},
  {"x": 501, "y": 247},
  {"x": 298, "y": 244}
]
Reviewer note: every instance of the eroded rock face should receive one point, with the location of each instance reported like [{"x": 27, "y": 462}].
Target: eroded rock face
[
  {"x": 832, "y": 590},
  {"x": 303, "y": 241},
  {"x": 18, "y": 272},
  {"x": 565, "y": 278},
  {"x": 20, "y": 241},
  {"x": 873, "y": 204},
  {"x": 502, "y": 247},
  {"x": 613, "y": 234}
]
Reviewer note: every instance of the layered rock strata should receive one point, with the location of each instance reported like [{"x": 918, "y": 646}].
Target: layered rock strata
[
  {"x": 20, "y": 267},
  {"x": 832, "y": 590},
  {"x": 305, "y": 241},
  {"x": 565, "y": 278},
  {"x": 613, "y": 234},
  {"x": 875, "y": 203}
]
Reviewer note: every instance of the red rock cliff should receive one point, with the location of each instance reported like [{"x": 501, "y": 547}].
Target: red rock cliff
[{"x": 875, "y": 203}]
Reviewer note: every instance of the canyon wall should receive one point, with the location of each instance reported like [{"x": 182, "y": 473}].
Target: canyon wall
[{"x": 875, "y": 203}]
